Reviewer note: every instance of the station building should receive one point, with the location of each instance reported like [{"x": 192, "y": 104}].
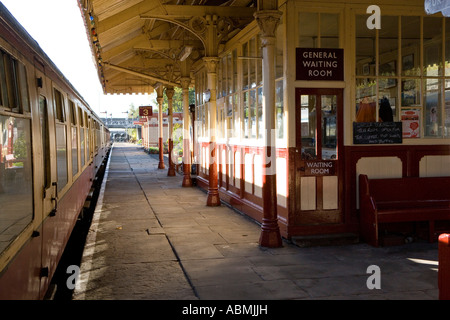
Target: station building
[{"x": 294, "y": 99}]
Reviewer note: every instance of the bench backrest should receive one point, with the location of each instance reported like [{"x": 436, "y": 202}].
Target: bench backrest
[{"x": 407, "y": 189}]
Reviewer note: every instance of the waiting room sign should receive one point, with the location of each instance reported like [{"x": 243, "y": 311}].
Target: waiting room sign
[{"x": 319, "y": 64}]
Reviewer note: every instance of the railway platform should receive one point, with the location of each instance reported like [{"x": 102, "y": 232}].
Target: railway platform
[{"x": 153, "y": 239}]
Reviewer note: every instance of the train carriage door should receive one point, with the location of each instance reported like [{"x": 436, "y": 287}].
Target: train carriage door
[
  {"x": 49, "y": 192},
  {"x": 320, "y": 157}
]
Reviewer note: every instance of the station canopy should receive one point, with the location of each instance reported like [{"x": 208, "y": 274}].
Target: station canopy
[{"x": 138, "y": 44}]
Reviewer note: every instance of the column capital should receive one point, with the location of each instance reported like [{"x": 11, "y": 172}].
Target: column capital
[
  {"x": 268, "y": 21},
  {"x": 185, "y": 82},
  {"x": 211, "y": 64},
  {"x": 169, "y": 92}
]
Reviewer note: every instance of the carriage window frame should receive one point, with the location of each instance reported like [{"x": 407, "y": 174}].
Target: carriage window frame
[
  {"x": 74, "y": 137},
  {"x": 61, "y": 134},
  {"x": 21, "y": 170},
  {"x": 14, "y": 91}
]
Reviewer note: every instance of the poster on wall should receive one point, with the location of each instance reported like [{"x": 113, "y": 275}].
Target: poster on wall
[{"x": 411, "y": 123}]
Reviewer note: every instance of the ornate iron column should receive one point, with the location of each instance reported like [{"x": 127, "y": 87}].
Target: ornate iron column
[
  {"x": 187, "y": 181},
  {"x": 169, "y": 93},
  {"x": 159, "y": 99},
  {"x": 213, "y": 189},
  {"x": 268, "y": 21}
]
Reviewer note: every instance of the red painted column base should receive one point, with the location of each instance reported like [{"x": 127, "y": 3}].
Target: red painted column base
[
  {"x": 171, "y": 171},
  {"x": 161, "y": 156},
  {"x": 213, "y": 199},
  {"x": 270, "y": 234},
  {"x": 187, "y": 181}
]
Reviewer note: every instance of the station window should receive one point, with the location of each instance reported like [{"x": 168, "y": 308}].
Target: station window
[
  {"x": 14, "y": 94},
  {"x": 318, "y": 30},
  {"x": 252, "y": 88},
  {"x": 403, "y": 74}
]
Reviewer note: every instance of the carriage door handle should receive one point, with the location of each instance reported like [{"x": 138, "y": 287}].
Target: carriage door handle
[{"x": 55, "y": 198}]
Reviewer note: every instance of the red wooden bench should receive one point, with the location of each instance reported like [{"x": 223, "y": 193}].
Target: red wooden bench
[{"x": 402, "y": 200}]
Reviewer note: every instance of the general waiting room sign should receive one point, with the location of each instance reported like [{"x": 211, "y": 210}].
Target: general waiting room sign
[{"x": 319, "y": 64}]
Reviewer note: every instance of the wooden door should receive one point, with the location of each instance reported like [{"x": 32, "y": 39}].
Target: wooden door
[{"x": 319, "y": 161}]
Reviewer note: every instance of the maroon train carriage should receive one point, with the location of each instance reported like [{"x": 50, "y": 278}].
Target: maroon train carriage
[{"x": 51, "y": 147}]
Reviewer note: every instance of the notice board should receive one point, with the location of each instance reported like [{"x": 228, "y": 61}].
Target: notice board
[{"x": 377, "y": 132}]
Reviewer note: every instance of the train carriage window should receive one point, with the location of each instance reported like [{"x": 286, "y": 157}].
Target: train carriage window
[
  {"x": 59, "y": 106},
  {"x": 13, "y": 84},
  {"x": 3, "y": 87},
  {"x": 23, "y": 87},
  {"x": 61, "y": 155},
  {"x": 43, "y": 116},
  {"x": 88, "y": 135},
  {"x": 73, "y": 120},
  {"x": 82, "y": 149},
  {"x": 61, "y": 140},
  {"x": 16, "y": 189},
  {"x": 11, "y": 80}
]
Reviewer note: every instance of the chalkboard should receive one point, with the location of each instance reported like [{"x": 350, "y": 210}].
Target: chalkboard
[{"x": 377, "y": 132}]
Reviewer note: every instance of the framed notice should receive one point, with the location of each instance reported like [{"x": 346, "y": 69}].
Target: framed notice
[
  {"x": 410, "y": 123},
  {"x": 319, "y": 64},
  {"x": 146, "y": 111}
]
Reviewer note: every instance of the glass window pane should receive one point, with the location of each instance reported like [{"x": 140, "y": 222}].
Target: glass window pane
[
  {"x": 387, "y": 99},
  {"x": 237, "y": 117},
  {"x": 411, "y": 93},
  {"x": 432, "y": 110},
  {"x": 259, "y": 112},
  {"x": 279, "y": 123},
  {"x": 410, "y": 46},
  {"x": 308, "y": 126},
  {"x": 366, "y": 100},
  {"x": 365, "y": 47},
  {"x": 252, "y": 103},
  {"x": 61, "y": 155},
  {"x": 447, "y": 110},
  {"x": 258, "y": 61},
  {"x": 82, "y": 149},
  {"x": 43, "y": 117},
  {"x": 447, "y": 48},
  {"x": 432, "y": 46},
  {"x": 16, "y": 189},
  {"x": 4, "y": 89},
  {"x": 245, "y": 66},
  {"x": 252, "y": 62},
  {"x": 279, "y": 51},
  {"x": 74, "y": 151},
  {"x": 229, "y": 74},
  {"x": 59, "y": 106},
  {"x": 11, "y": 76},
  {"x": 388, "y": 46},
  {"x": 235, "y": 72},
  {"x": 23, "y": 87},
  {"x": 329, "y": 30},
  {"x": 329, "y": 128},
  {"x": 308, "y": 30},
  {"x": 246, "y": 114}
]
